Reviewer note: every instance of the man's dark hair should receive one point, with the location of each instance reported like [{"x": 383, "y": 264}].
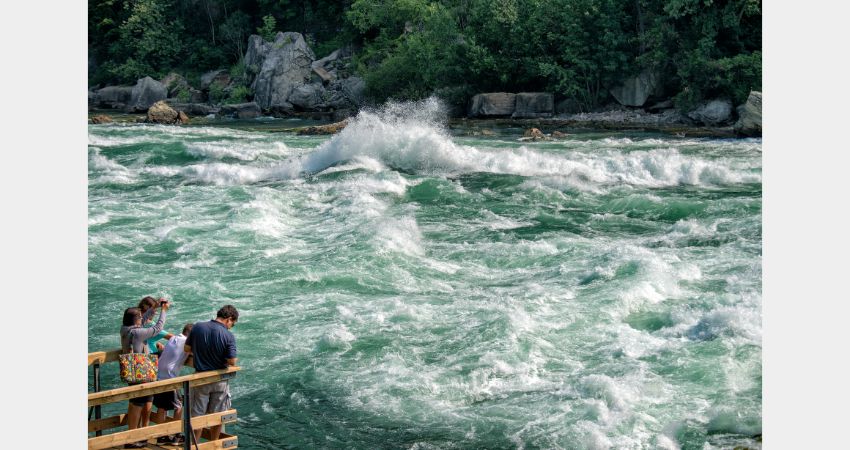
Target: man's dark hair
[
  {"x": 187, "y": 329},
  {"x": 130, "y": 316},
  {"x": 148, "y": 301},
  {"x": 228, "y": 312}
]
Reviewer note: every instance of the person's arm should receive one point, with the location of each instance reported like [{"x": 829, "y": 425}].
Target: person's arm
[
  {"x": 147, "y": 333},
  {"x": 148, "y": 314},
  {"x": 230, "y": 352}
]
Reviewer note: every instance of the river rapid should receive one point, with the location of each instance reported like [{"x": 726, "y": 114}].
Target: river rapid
[{"x": 405, "y": 285}]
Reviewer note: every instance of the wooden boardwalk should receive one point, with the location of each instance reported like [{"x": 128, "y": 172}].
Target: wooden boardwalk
[{"x": 117, "y": 438}]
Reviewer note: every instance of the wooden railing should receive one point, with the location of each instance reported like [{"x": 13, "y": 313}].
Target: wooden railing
[{"x": 170, "y": 426}]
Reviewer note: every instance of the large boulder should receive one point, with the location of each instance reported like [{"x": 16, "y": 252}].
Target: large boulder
[
  {"x": 308, "y": 97},
  {"x": 277, "y": 68},
  {"x": 635, "y": 90},
  {"x": 534, "y": 104},
  {"x": 749, "y": 116},
  {"x": 160, "y": 112},
  {"x": 347, "y": 93},
  {"x": 146, "y": 92},
  {"x": 492, "y": 104},
  {"x": 113, "y": 96},
  {"x": 712, "y": 113},
  {"x": 248, "y": 110}
]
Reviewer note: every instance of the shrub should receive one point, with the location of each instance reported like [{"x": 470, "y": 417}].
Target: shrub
[
  {"x": 183, "y": 95},
  {"x": 216, "y": 93},
  {"x": 267, "y": 31},
  {"x": 239, "y": 94}
]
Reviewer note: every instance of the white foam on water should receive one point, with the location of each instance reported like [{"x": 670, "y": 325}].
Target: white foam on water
[
  {"x": 99, "y": 219},
  {"x": 237, "y": 150},
  {"x": 494, "y": 221},
  {"x": 338, "y": 339},
  {"x": 111, "y": 171},
  {"x": 399, "y": 236}
]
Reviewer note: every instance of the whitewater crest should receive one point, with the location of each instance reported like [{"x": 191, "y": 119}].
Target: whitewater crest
[{"x": 412, "y": 138}]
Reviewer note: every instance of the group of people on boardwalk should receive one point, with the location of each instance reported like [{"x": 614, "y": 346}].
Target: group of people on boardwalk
[{"x": 207, "y": 345}]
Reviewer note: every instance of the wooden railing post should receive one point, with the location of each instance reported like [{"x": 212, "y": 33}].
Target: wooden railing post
[
  {"x": 188, "y": 433},
  {"x": 97, "y": 389}
]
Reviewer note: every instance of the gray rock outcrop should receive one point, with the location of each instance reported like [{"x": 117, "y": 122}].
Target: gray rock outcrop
[
  {"x": 248, "y": 110},
  {"x": 534, "y": 104},
  {"x": 113, "y": 96},
  {"x": 635, "y": 90},
  {"x": 347, "y": 93},
  {"x": 492, "y": 104},
  {"x": 146, "y": 92},
  {"x": 277, "y": 68},
  {"x": 712, "y": 113},
  {"x": 749, "y": 116},
  {"x": 308, "y": 97}
]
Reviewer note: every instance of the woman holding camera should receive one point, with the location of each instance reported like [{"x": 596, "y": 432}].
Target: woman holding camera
[{"x": 134, "y": 340}]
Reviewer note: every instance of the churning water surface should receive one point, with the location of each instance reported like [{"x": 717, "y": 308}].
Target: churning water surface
[{"x": 404, "y": 286}]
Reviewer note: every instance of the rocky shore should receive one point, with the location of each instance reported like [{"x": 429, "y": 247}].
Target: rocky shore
[{"x": 283, "y": 78}]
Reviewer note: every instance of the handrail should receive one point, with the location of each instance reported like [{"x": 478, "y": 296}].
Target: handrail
[
  {"x": 163, "y": 429},
  {"x": 171, "y": 425},
  {"x": 104, "y": 356},
  {"x": 155, "y": 387}
]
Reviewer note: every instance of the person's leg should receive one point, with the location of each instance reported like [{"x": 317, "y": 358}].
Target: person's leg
[
  {"x": 219, "y": 402},
  {"x": 146, "y": 413},
  {"x": 200, "y": 402},
  {"x": 134, "y": 413},
  {"x": 158, "y": 416}
]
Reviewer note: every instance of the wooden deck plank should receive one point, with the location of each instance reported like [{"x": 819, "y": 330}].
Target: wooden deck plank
[
  {"x": 155, "y": 431},
  {"x": 107, "y": 423},
  {"x": 221, "y": 444},
  {"x": 155, "y": 387}
]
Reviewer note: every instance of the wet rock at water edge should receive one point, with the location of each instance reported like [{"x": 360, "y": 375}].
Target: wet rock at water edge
[
  {"x": 332, "y": 128},
  {"x": 101, "y": 118},
  {"x": 534, "y": 134},
  {"x": 160, "y": 112},
  {"x": 247, "y": 110},
  {"x": 712, "y": 113}
]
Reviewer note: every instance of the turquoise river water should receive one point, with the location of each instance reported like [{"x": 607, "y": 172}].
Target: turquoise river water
[{"x": 405, "y": 285}]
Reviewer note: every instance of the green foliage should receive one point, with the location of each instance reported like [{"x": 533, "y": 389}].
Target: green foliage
[
  {"x": 239, "y": 94},
  {"x": 183, "y": 95},
  {"x": 148, "y": 41},
  {"x": 268, "y": 30},
  {"x": 234, "y": 33},
  {"x": 217, "y": 94},
  {"x": 409, "y": 49}
]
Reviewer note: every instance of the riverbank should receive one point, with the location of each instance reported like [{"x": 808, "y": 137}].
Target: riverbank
[{"x": 613, "y": 121}]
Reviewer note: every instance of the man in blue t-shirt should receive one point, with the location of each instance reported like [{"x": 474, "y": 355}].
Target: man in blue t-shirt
[{"x": 213, "y": 347}]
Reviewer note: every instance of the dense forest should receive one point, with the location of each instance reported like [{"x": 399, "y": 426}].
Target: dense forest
[{"x": 410, "y": 49}]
